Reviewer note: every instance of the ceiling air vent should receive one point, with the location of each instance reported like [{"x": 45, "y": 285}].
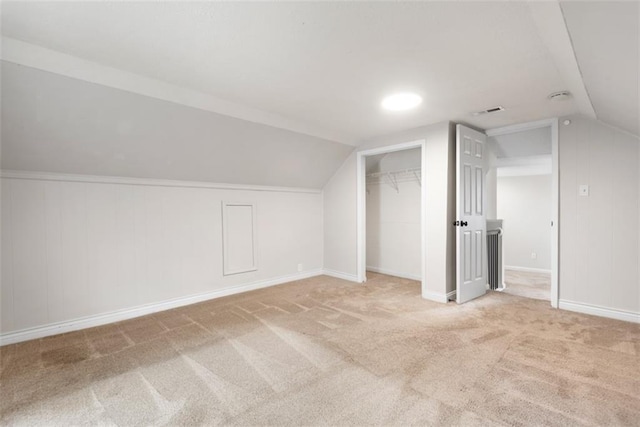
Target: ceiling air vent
[
  {"x": 560, "y": 96},
  {"x": 488, "y": 110}
]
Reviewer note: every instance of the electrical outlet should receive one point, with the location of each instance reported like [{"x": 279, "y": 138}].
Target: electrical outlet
[
  {"x": 583, "y": 190},
  {"x": 534, "y": 255},
  {"x": 300, "y": 267}
]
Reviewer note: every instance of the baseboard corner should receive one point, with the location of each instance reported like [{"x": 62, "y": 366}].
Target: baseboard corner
[
  {"x": 435, "y": 296},
  {"x": 340, "y": 275},
  {"x": 394, "y": 273},
  {"x": 527, "y": 269}
]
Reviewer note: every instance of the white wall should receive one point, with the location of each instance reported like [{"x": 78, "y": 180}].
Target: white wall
[
  {"x": 395, "y": 161},
  {"x": 491, "y": 192},
  {"x": 524, "y": 203},
  {"x": 340, "y": 206},
  {"x": 599, "y": 234},
  {"x": 76, "y": 249},
  {"x": 393, "y": 220}
]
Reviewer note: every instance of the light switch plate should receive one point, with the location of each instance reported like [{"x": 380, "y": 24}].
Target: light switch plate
[{"x": 583, "y": 190}]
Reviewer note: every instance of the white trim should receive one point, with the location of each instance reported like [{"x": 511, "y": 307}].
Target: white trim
[
  {"x": 361, "y": 212},
  {"x": 341, "y": 275},
  {"x": 521, "y": 127},
  {"x": 527, "y": 269},
  {"x": 544, "y": 159},
  {"x": 423, "y": 213},
  {"x": 596, "y": 310},
  {"x": 30, "y": 55},
  {"x": 555, "y": 194},
  {"x": 451, "y": 296},
  {"x": 555, "y": 215},
  {"x": 392, "y": 148},
  {"x": 116, "y": 316},
  {"x": 515, "y": 171},
  {"x": 435, "y": 296},
  {"x": 524, "y": 166},
  {"x": 95, "y": 179},
  {"x": 394, "y": 273},
  {"x": 361, "y": 217}
]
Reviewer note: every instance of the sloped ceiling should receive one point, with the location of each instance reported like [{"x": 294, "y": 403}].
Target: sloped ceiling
[
  {"x": 305, "y": 78},
  {"x": 326, "y": 64},
  {"x": 522, "y": 153},
  {"x": 532, "y": 142},
  {"x": 52, "y": 123},
  {"x": 606, "y": 40}
]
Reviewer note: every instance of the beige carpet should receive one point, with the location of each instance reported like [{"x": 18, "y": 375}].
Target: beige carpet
[
  {"x": 326, "y": 352},
  {"x": 528, "y": 284}
]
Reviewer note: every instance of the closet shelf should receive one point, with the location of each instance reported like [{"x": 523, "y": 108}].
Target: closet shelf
[{"x": 392, "y": 178}]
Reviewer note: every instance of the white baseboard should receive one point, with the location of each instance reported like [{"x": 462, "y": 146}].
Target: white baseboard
[
  {"x": 116, "y": 316},
  {"x": 612, "y": 313},
  {"x": 528, "y": 269},
  {"x": 394, "y": 273},
  {"x": 340, "y": 275},
  {"x": 451, "y": 296},
  {"x": 434, "y": 296}
]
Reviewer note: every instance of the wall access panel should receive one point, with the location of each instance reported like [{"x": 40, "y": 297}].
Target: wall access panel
[{"x": 240, "y": 253}]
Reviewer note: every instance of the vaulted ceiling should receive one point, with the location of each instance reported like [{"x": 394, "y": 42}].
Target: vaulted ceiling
[
  {"x": 606, "y": 40},
  {"x": 320, "y": 69}
]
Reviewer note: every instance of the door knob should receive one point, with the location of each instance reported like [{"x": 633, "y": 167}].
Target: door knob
[
  {"x": 464, "y": 223},
  {"x": 456, "y": 223}
]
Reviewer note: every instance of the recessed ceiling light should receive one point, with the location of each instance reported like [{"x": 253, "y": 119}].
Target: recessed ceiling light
[{"x": 401, "y": 101}]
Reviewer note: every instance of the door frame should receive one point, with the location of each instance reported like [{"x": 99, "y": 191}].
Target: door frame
[
  {"x": 362, "y": 204},
  {"x": 555, "y": 193}
]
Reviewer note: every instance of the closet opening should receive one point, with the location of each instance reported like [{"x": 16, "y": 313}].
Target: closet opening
[{"x": 391, "y": 212}]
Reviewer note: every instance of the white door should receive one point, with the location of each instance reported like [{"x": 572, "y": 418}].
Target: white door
[{"x": 471, "y": 226}]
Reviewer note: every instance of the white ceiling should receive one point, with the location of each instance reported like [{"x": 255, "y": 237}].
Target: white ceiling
[
  {"x": 324, "y": 64},
  {"x": 606, "y": 40},
  {"x": 522, "y": 153}
]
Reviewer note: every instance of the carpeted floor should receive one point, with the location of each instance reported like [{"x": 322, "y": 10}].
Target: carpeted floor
[
  {"x": 527, "y": 284},
  {"x": 324, "y": 351}
]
